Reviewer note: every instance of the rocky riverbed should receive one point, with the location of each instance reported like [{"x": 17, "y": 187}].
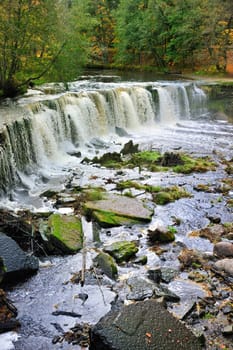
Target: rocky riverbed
[{"x": 156, "y": 227}]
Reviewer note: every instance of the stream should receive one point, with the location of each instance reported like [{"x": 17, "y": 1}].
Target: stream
[{"x": 54, "y": 125}]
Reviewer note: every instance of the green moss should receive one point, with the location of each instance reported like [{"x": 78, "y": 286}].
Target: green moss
[
  {"x": 94, "y": 194},
  {"x": 132, "y": 184},
  {"x": 153, "y": 161},
  {"x": 194, "y": 165},
  {"x": 110, "y": 219},
  {"x": 122, "y": 250},
  {"x": 65, "y": 232},
  {"x": 107, "y": 264},
  {"x": 170, "y": 194}
]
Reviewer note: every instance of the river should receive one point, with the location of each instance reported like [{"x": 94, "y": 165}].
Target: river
[{"x": 45, "y": 135}]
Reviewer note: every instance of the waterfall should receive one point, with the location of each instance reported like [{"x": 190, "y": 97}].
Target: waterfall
[{"x": 48, "y": 129}]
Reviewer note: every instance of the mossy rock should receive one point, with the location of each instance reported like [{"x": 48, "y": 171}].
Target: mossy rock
[
  {"x": 115, "y": 210},
  {"x": 65, "y": 232},
  {"x": 161, "y": 234},
  {"x": 107, "y": 264},
  {"x": 122, "y": 251}
]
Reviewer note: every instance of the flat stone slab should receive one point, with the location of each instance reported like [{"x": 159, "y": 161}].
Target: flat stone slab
[
  {"x": 123, "y": 208},
  {"x": 140, "y": 326}
]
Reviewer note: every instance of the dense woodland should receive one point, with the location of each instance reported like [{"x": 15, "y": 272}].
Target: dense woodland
[{"x": 45, "y": 40}]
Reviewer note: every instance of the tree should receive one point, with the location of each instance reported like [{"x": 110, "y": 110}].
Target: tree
[
  {"x": 36, "y": 39},
  {"x": 130, "y": 34},
  {"x": 103, "y": 37}
]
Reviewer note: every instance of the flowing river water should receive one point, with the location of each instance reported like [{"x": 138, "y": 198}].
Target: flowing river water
[{"x": 41, "y": 135}]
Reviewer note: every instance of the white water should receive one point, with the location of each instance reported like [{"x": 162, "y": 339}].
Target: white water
[{"x": 40, "y": 138}]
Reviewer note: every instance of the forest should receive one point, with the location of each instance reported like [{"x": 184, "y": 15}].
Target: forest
[{"x": 44, "y": 40}]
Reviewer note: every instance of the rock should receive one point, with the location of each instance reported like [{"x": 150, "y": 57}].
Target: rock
[
  {"x": 98, "y": 143},
  {"x": 225, "y": 265},
  {"x": 223, "y": 249},
  {"x": 171, "y": 159},
  {"x": 228, "y": 330},
  {"x": 121, "y": 132},
  {"x": 65, "y": 233},
  {"x": 141, "y": 260},
  {"x": 122, "y": 250},
  {"x": 107, "y": 265},
  {"x": 115, "y": 210},
  {"x": 129, "y": 148},
  {"x": 142, "y": 288},
  {"x": 159, "y": 233},
  {"x": 168, "y": 274},
  {"x": 139, "y": 326},
  {"x": 16, "y": 263},
  {"x": 155, "y": 275}
]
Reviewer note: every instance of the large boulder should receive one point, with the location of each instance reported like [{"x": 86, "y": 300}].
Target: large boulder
[
  {"x": 65, "y": 233},
  {"x": 143, "y": 325},
  {"x": 16, "y": 262},
  {"x": 115, "y": 210}
]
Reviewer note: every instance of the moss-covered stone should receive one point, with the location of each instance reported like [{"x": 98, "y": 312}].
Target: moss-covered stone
[
  {"x": 116, "y": 210},
  {"x": 170, "y": 194},
  {"x": 161, "y": 234},
  {"x": 65, "y": 232},
  {"x": 107, "y": 264},
  {"x": 161, "y": 195},
  {"x": 122, "y": 251},
  {"x": 154, "y": 161},
  {"x": 108, "y": 219}
]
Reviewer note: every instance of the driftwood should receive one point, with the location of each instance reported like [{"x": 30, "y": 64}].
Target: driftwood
[
  {"x": 8, "y": 313},
  {"x": 65, "y": 313}
]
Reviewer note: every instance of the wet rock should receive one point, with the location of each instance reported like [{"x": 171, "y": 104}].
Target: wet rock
[
  {"x": 141, "y": 260},
  {"x": 107, "y": 265},
  {"x": 168, "y": 274},
  {"x": 223, "y": 249},
  {"x": 171, "y": 159},
  {"x": 129, "y": 148},
  {"x": 160, "y": 233},
  {"x": 98, "y": 143},
  {"x": 142, "y": 288},
  {"x": 155, "y": 275},
  {"x": 65, "y": 233},
  {"x": 122, "y": 250},
  {"x": 17, "y": 263},
  {"x": 121, "y": 132},
  {"x": 115, "y": 210},
  {"x": 214, "y": 219},
  {"x": 225, "y": 265},
  {"x": 143, "y": 325},
  {"x": 228, "y": 330}
]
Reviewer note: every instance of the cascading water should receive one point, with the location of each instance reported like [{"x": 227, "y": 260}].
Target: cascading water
[{"x": 50, "y": 128}]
